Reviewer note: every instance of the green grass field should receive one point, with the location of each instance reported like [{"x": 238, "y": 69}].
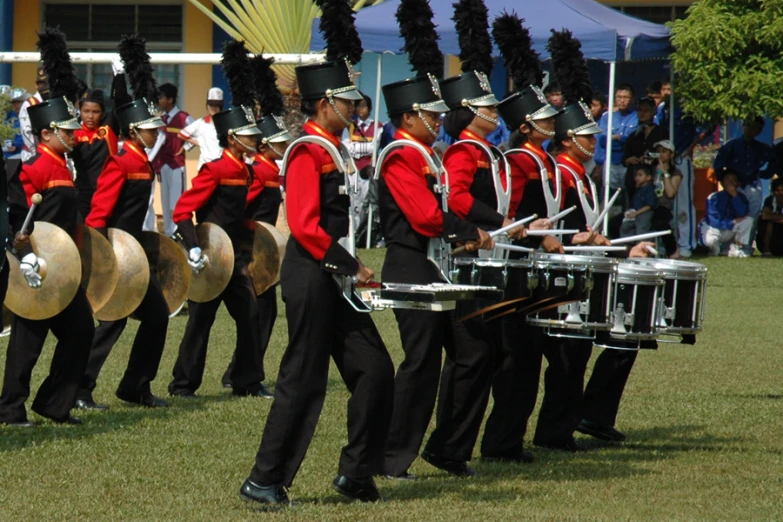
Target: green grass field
[{"x": 705, "y": 439}]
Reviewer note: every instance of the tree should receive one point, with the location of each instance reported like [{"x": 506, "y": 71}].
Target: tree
[
  {"x": 270, "y": 26},
  {"x": 729, "y": 57}
]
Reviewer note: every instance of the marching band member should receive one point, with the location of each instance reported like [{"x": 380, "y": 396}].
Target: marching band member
[
  {"x": 264, "y": 196},
  {"x": 535, "y": 182},
  {"x": 218, "y": 195},
  {"x": 321, "y": 321},
  {"x": 52, "y": 124},
  {"x": 120, "y": 201},
  {"x": 411, "y": 213}
]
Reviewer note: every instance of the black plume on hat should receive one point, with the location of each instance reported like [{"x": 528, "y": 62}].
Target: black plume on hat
[
  {"x": 337, "y": 26},
  {"x": 570, "y": 67},
  {"x": 265, "y": 81},
  {"x": 516, "y": 47},
  {"x": 236, "y": 67},
  {"x": 57, "y": 64},
  {"x": 475, "y": 47},
  {"x": 133, "y": 51},
  {"x": 421, "y": 39}
]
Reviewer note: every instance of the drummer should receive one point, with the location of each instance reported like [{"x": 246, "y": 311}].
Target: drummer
[
  {"x": 218, "y": 195},
  {"x": 53, "y": 122},
  {"x": 264, "y": 198},
  {"x": 120, "y": 201},
  {"x": 412, "y": 215}
]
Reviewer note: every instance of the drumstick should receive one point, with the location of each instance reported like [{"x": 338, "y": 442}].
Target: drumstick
[
  {"x": 640, "y": 237},
  {"x": 36, "y": 200},
  {"x": 499, "y": 231},
  {"x": 554, "y": 232},
  {"x": 651, "y": 250},
  {"x": 594, "y": 248},
  {"x": 602, "y": 215},
  {"x": 515, "y": 224},
  {"x": 561, "y": 215},
  {"x": 513, "y": 248}
]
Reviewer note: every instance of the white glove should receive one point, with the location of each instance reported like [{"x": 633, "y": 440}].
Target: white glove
[
  {"x": 117, "y": 67},
  {"x": 29, "y": 268},
  {"x": 197, "y": 260}
]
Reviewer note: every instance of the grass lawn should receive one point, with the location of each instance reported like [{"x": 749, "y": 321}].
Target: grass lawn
[{"x": 705, "y": 439}]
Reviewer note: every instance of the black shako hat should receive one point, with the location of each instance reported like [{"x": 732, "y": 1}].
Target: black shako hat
[
  {"x": 139, "y": 114},
  {"x": 273, "y": 129},
  {"x": 322, "y": 80},
  {"x": 237, "y": 120},
  {"x": 56, "y": 113},
  {"x": 525, "y": 106},
  {"x": 575, "y": 120},
  {"x": 414, "y": 94},
  {"x": 469, "y": 88}
]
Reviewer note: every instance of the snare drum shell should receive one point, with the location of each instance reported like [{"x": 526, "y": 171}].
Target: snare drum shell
[{"x": 638, "y": 290}]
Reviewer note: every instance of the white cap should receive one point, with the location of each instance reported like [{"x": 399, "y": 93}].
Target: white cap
[
  {"x": 666, "y": 144},
  {"x": 215, "y": 94}
]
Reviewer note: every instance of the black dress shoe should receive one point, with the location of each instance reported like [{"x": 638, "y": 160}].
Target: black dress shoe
[
  {"x": 405, "y": 476},
  {"x": 21, "y": 424},
  {"x": 90, "y": 404},
  {"x": 273, "y": 495},
  {"x": 458, "y": 468},
  {"x": 259, "y": 391},
  {"x": 569, "y": 445},
  {"x": 227, "y": 384},
  {"x": 70, "y": 419},
  {"x": 359, "y": 489},
  {"x": 147, "y": 400},
  {"x": 522, "y": 457},
  {"x": 183, "y": 394},
  {"x": 600, "y": 432}
]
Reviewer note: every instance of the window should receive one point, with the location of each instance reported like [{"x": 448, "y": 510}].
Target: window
[{"x": 98, "y": 27}]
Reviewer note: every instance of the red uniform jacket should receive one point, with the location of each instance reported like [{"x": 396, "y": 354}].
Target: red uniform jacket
[
  {"x": 123, "y": 192},
  {"x": 264, "y": 197},
  {"x": 472, "y": 189},
  {"x": 316, "y": 210},
  {"x": 576, "y": 219},
  {"x": 218, "y": 195},
  {"x": 527, "y": 196}
]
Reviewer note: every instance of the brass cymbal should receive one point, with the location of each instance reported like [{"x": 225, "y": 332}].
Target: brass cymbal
[
  {"x": 267, "y": 250},
  {"x": 100, "y": 271},
  {"x": 171, "y": 265},
  {"x": 134, "y": 277},
  {"x": 60, "y": 269},
  {"x": 213, "y": 279}
]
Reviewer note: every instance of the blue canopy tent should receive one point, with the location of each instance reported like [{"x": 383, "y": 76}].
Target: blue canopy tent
[{"x": 606, "y": 35}]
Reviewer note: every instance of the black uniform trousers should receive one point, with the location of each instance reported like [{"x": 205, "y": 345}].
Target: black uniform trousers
[
  {"x": 74, "y": 329},
  {"x": 321, "y": 323},
  {"x": 605, "y": 389},
  {"x": 267, "y": 315},
  {"x": 464, "y": 390},
  {"x": 240, "y": 299},
  {"x": 147, "y": 349}
]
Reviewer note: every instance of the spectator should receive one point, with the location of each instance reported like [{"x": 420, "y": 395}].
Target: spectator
[
  {"x": 201, "y": 133},
  {"x": 624, "y": 123},
  {"x": 771, "y": 222},
  {"x": 598, "y": 105},
  {"x": 554, "y": 95},
  {"x": 360, "y": 138},
  {"x": 752, "y": 160},
  {"x": 666, "y": 94},
  {"x": 727, "y": 220},
  {"x": 654, "y": 92},
  {"x": 169, "y": 164},
  {"x": 12, "y": 149},
  {"x": 666, "y": 181},
  {"x": 638, "y": 218},
  {"x": 641, "y": 143}
]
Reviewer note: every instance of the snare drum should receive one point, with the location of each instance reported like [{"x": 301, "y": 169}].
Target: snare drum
[
  {"x": 684, "y": 293},
  {"x": 517, "y": 279},
  {"x": 592, "y": 313},
  {"x": 635, "y": 307},
  {"x": 561, "y": 279}
]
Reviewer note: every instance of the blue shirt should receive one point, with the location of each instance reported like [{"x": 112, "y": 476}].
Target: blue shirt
[
  {"x": 645, "y": 196},
  {"x": 722, "y": 209},
  {"x": 751, "y": 159},
  {"x": 17, "y": 140},
  {"x": 685, "y": 128},
  {"x": 622, "y": 124}
]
